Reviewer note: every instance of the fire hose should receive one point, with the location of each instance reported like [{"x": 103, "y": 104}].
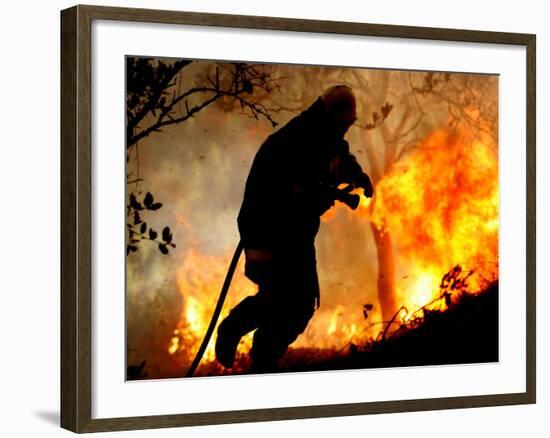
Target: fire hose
[
  {"x": 217, "y": 310},
  {"x": 342, "y": 195}
]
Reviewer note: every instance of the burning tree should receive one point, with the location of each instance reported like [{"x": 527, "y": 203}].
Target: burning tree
[{"x": 467, "y": 104}]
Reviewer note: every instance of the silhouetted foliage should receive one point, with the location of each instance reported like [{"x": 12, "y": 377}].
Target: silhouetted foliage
[
  {"x": 154, "y": 94},
  {"x": 378, "y": 118},
  {"x": 470, "y": 99},
  {"x": 134, "y": 372},
  {"x": 137, "y": 228}
]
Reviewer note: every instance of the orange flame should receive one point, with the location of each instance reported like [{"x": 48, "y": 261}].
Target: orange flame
[
  {"x": 199, "y": 280},
  {"x": 440, "y": 205}
]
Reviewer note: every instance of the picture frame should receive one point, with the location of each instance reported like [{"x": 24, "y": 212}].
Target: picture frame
[{"x": 77, "y": 239}]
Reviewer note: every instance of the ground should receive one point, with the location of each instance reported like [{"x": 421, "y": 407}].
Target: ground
[{"x": 467, "y": 332}]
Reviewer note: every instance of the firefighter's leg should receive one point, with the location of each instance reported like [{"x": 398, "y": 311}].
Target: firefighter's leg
[
  {"x": 242, "y": 319},
  {"x": 291, "y": 298},
  {"x": 282, "y": 326}
]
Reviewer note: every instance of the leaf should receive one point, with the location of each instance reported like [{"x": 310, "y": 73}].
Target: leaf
[
  {"x": 155, "y": 206},
  {"x": 148, "y": 200},
  {"x": 135, "y": 204},
  {"x": 386, "y": 109},
  {"x": 152, "y": 234},
  {"x": 143, "y": 228},
  {"x": 163, "y": 249},
  {"x": 137, "y": 218},
  {"x": 366, "y": 309},
  {"x": 166, "y": 235},
  {"x": 375, "y": 117}
]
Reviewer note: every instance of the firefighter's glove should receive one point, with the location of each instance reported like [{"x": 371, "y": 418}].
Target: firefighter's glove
[{"x": 365, "y": 183}]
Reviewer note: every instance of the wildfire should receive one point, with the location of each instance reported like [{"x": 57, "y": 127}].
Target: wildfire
[
  {"x": 441, "y": 207},
  {"x": 199, "y": 280},
  {"x": 439, "y": 204}
]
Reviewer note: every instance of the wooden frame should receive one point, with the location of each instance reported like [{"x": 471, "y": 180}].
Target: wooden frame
[{"x": 76, "y": 173}]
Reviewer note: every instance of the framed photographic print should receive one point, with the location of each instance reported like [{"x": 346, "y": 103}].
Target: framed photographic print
[{"x": 267, "y": 218}]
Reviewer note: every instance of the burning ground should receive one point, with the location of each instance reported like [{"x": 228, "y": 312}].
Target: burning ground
[
  {"x": 465, "y": 331},
  {"x": 429, "y": 238}
]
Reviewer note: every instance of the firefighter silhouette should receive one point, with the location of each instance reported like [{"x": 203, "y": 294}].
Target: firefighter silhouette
[{"x": 290, "y": 185}]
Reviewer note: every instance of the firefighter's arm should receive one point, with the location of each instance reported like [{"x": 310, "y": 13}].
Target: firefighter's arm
[
  {"x": 303, "y": 177},
  {"x": 349, "y": 170}
]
